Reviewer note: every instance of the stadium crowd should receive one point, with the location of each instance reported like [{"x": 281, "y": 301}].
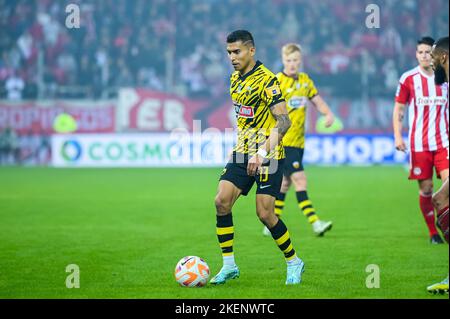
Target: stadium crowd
[{"x": 178, "y": 46}]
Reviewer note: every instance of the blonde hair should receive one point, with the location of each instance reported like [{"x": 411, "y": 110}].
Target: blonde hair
[{"x": 291, "y": 48}]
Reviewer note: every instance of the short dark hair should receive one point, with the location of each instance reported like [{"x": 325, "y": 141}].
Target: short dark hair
[
  {"x": 241, "y": 35},
  {"x": 442, "y": 44},
  {"x": 426, "y": 40}
]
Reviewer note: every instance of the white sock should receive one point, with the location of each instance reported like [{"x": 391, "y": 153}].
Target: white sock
[{"x": 228, "y": 261}]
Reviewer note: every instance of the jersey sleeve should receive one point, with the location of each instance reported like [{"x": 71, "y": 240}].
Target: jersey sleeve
[
  {"x": 402, "y": 94},
  {"x": 312, "y": 90},
  {"x": 271, "y": 93}
]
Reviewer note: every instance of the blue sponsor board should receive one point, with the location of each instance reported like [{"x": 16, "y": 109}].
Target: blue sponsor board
[
  {"x": 352, "y": 150},
  {"x": 210, "y": 150}
]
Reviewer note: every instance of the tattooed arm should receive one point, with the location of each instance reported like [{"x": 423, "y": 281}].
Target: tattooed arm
[
  {"x": 280, "y": 113},
  {"x": 398, "y": 116}
]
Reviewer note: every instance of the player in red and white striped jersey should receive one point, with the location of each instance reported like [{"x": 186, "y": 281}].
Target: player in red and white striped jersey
[
  {"x": 428, "y": 128},
  {"x": 440, "y": 66}
]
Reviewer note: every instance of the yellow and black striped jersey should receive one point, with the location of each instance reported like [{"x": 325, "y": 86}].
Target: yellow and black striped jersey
[
  {"x": 253, "y": 95},
  {"x": 297, "y": 92}
]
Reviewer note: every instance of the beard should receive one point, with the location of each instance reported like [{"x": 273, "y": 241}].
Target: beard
[{"x": 440, "y": 77}]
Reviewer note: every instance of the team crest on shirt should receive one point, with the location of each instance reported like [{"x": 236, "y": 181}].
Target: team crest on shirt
[
  {"x": 273, "y": 90},
  {"x": 299, "y": 85}
]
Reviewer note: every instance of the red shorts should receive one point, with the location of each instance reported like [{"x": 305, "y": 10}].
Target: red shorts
[{"x": 422, "y": 163}]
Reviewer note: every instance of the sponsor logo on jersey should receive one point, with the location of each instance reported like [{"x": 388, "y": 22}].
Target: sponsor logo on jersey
[
  {"x": 297, "y": 102},
  {"x": 436, "y": 100},
  {"x": 244, "y": 111}
]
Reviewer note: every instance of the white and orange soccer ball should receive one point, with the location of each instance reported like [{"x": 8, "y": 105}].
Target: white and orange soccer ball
[{"x": 192, "y": 271}]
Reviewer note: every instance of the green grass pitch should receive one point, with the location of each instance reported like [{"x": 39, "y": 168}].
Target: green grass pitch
[{"x": 127, "y": 228}]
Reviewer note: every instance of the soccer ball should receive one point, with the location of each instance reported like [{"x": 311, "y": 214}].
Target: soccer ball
[{"x": 192, "y": 271}]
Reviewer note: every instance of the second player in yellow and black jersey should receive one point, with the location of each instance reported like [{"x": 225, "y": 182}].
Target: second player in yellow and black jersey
[
  {"x": 298, "y": 91},
  {"x": 253, "y": 95}
]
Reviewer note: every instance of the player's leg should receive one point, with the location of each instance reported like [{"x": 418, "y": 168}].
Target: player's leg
[
  {"x": 427, "y": 209},
  {"x": 299, "y": 180},
  {"x": 234, "y": 182},
  {"x": 265, "y": 207},
  {"x": 421, "y": 169},
  {"x": 290, "y": 164},
  {"x": 279, "y": 201},
  {"x": 441, "y": 198},
  {"x": 269, "y": 182},
  {"x": 280, "y": 198},
  {"x": 440, "y": 202},
  {"x": 227, "y": 195}
]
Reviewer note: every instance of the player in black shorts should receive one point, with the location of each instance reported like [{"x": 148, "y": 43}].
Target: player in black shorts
[
  {"x": 299, "y": 91},
  {"x": 262, "y": 121},
  {"x": 267, "y": 180}
]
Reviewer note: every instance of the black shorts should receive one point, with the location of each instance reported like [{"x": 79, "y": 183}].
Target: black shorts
[
  {"x": 268, "y": 182},
  {"x": 294, "y": 161}
]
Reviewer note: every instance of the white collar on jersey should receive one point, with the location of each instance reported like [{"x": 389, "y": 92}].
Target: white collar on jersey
[{"x": 424, "y": 74}]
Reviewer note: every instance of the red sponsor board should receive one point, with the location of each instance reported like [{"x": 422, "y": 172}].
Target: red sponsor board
[
  {"x": 150, "y": 111},
  {"x": 33, "y": 117}
]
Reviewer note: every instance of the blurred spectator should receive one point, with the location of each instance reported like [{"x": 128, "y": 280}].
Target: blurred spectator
[
  {"x": 9, "y": 147},
  {"x": 391, "y": 76},
  {"x": 14, "y": 85},
  {"x": 122, "y": 43},
  {"x": 148, "y": 78}
]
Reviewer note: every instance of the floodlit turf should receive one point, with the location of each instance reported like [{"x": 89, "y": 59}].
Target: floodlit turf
[{"x": 127, "y": 228}]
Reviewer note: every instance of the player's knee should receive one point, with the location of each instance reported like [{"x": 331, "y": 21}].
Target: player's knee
[
  {"x": 426, "y": 188},
  {"x": 223, "y": 206},
  {"x": 299, "y": 181},
  {"x": 285, "y": 185},
  {"x": 265, "y": 215},
  {"x": 438, "y": 201}
]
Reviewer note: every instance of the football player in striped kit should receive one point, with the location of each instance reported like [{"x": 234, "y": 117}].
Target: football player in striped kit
[
  {"x": 299, "y": 91},
  {"x": 440, "y": 198},
  {"x": 428, "y": 129},
  {"x": 258, "y": 156}
]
